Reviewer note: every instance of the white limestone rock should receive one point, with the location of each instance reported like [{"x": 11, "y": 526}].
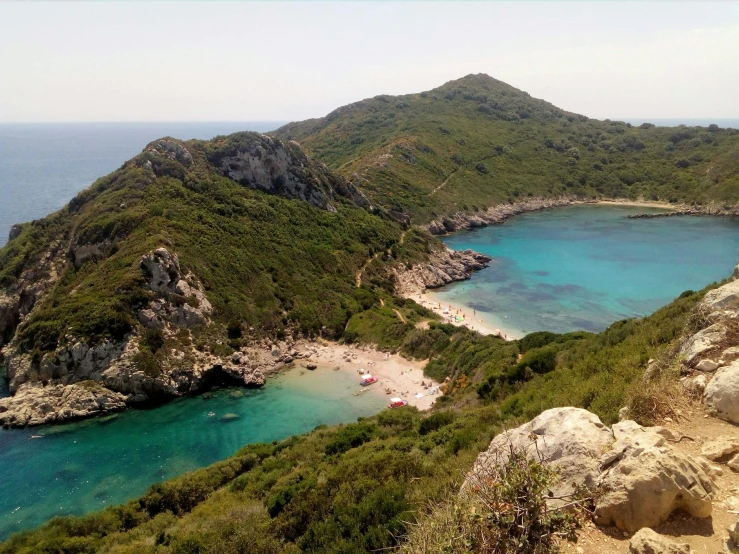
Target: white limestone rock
[
  {"x": 722, "y": 393},
  {"x": 703, "y": 341},
  {"x": 647, "y": 541}
]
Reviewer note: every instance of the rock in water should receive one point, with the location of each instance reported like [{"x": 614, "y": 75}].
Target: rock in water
[
  {"x": 37, "y": 405},
  {"x": 647, "y": 541},
  {"x": 722, "y": 393}
]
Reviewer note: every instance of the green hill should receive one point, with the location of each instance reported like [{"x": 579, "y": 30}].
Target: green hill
[
  {"x": 194, "y": 248},
  {"x": 476, "y": 142}
]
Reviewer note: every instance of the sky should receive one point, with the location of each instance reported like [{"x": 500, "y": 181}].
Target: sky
[{"x": 251, "y": 61}]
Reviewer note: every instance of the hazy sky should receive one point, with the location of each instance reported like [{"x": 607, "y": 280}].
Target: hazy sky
[{"x": 285, "y": 61}]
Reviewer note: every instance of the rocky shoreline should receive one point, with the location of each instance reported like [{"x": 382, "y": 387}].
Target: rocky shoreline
[
  {"x": 494, "y": 215},
  {"x": 702, "y": 211},
  {"x": 443, "y": 267}
]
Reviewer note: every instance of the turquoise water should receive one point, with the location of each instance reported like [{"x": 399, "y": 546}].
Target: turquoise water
[
  {"x": 584, "y": 267},
  {"x": 80, "y": 467}
]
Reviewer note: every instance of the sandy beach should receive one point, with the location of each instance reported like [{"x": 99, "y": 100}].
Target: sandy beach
[
  {"x": 638, "y": 204},
  {"x": 403, "y": 378},
  {"x": 463, "y": 316}
]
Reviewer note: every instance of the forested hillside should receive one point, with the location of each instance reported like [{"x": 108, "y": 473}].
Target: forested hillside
[{"x": 476, "y": 142}]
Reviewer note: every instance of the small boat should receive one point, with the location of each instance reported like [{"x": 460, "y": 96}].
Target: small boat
[
  {"x": 368, "y": 380},
  {"x": 36, "y": 436},
  {"x": 211, "y": 414},
  {"x": 397, "y": 403}
]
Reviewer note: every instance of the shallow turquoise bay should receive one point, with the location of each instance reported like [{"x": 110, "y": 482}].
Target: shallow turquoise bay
[
  {"x": 579, "y": 267},
  {"x": 584, "y": 267},
  {"x": 81, "y": 467}
]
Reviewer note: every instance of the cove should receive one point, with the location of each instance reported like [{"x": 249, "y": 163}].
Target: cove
[
  {"x": 80, "y": 467},
  {"x": 585, "y": 267}
]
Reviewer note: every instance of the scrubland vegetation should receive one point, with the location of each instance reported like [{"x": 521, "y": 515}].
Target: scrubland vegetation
[{"x": 369, "y": 485}]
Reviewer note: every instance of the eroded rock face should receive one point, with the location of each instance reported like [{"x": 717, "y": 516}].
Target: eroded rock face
[
  {"x": 645, "y": 480},
  {"x": 641, "y": 477},
  {"x": 722, "y": 392},
  {"x": 275, "y": 167},
  {"x": 190, "y": 306},
  {"x": 444, "y": 266},
  {"x": 35, "y": 404},
  {"x": 171, "y": 149},
  {"x": 17, "y": 301}
]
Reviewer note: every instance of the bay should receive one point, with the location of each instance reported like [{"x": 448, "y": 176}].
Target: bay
[{"x": 584, "y": 267}]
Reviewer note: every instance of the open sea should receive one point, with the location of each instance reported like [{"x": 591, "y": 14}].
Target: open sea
[{"x": 565, "y": 269}]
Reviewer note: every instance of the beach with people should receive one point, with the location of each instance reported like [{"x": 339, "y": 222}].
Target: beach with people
[{"x": 464, "y": 316}]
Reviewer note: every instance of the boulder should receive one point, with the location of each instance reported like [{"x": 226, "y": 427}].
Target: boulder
[
  {"x": 707, "y": 366},
  {"x": 570, "y": 439},
  {"x": 644, "y": 480},
  {"x": 724, "y": 299},
  {"x": 722, "y": 392},
  {"x": 647, "y": 541},
  {"x": 696, "y": 385},
  {"x": 703, "y": 341},
  {"x": 641, "y": 478},
  {"x": 730, "y": 354},
  {"x": 720, "y": 448}
]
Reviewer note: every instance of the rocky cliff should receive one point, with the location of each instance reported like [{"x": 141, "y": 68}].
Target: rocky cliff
[
  {"x": 174, "y": 273},
  {"x": 444, "y": 266}
]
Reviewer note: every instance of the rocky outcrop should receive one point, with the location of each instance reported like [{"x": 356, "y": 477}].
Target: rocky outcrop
[
  {"x": 17, "y": 301},
  {"x": 683, "y": 209},
  {"x": 70, "y": 362},
  {"x": 180, "y": 299},
  {"x": 444, "y": 266},
  {"x": 15, "y": 231},
  {"x": 270, "y": 165},
  {"x": 645, "y": 479},
  {"x": 647, "y": 541},
  {"x": 38, "y": 404},
  {"x": 494, "y": 215},
  {"x": 722, "y": 393},
  {"x": 639, "y": 477},
  {"x": 711, "y": 355},
  {"x": 172, "y": 149}
]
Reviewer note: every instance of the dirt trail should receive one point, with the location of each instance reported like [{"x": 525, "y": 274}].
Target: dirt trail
[
  {"x": 358, "y": 278},
  {"x": 444, "y": 182},
  {"x": 400, "y": 316}
]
